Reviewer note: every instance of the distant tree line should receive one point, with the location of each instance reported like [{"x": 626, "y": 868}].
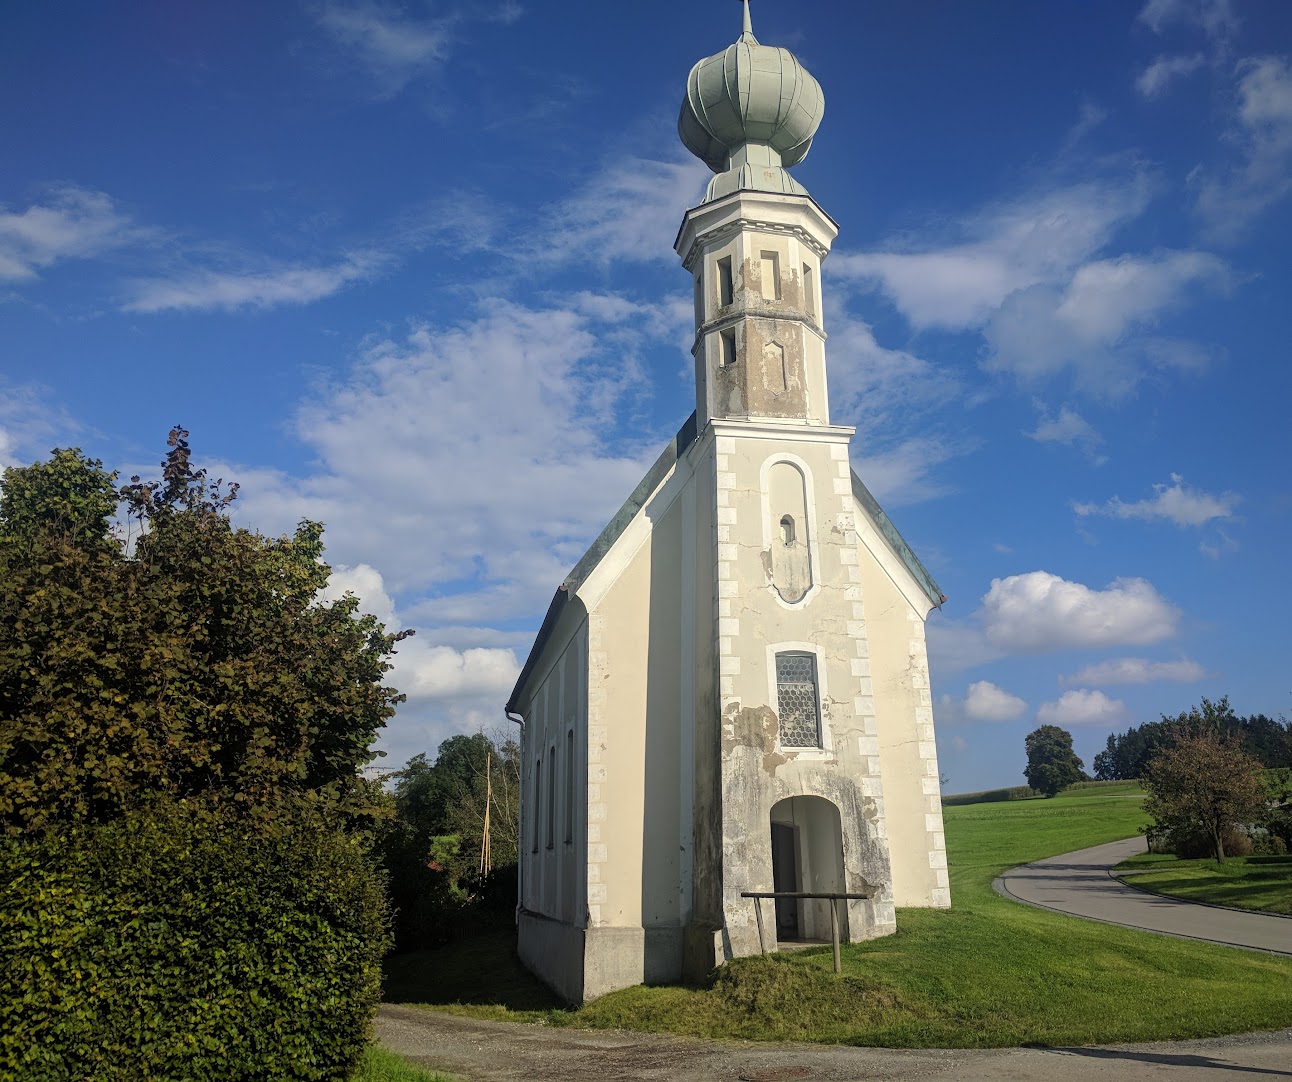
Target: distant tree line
[
  {"x": 1126, "y": 755},
  {"x": 432, "y": 847}
]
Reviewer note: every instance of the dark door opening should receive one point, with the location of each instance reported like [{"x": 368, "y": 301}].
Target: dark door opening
[{"x": 785, "y": 876}]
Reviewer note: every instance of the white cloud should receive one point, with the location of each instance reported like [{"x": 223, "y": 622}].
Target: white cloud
[
  {"x": 1165, "y": 70},
  {"x": 1037, "y": 239},
  {"x": 474, "y": 461},
  {"x": 1038, "y": 612},
  {"x": 1070, "y": 429},
  {"x": 207, "y": 290},
  {"x": 72, "y": 223},
  {"x": 423, "y": 670},
  {"x": 1176, "y": 502},
  {"x": 901, "y": 475},
  {"x": 1094, "y": 327},
  {"x": 1215, "y": 18},
  {"x": 1223, "y": 543},
  {"x": 1137, "y": 670},
  {"x": 1263, "y": 132},
  {"x": 983, "y": 701},
  {"x": 1083, "y": 707},
  {"x": 392, "y": 48},
  {"x": 627, "y": 211}
]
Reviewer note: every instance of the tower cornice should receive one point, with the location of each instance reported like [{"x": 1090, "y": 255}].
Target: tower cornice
[{"x": 757, "y": 212}]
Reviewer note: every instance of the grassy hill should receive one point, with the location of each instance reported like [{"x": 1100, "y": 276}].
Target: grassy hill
[{"x": 988, "y": 972}]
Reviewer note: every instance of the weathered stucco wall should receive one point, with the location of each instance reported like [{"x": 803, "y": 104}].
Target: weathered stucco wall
[
  {"x": 904, "y": 713},
  {"x": 755, "y": 623}
]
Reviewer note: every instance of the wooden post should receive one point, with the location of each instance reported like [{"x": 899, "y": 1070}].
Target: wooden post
[
  {"x": 834, "y": 933},
  {"x": 758, "y": 916}
]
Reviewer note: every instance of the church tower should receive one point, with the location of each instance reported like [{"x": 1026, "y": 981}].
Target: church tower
[{"x": 730, "y": 691}]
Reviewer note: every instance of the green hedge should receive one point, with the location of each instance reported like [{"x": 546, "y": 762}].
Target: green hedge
[
  {"x": 180, "y": 944},
  {"x": 990, "y": 796}
]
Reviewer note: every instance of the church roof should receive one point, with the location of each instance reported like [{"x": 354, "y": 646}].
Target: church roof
[{"x": 676, "y": 448}]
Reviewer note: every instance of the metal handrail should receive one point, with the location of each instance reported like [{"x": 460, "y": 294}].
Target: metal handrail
[{"x": 832, "y": 897}]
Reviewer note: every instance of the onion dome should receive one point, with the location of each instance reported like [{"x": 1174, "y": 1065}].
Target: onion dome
[{"x": 750, "y": 112}]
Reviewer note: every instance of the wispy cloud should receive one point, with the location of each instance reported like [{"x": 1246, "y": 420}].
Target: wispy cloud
[
  {"x": 70, "y": 223},
  {"x": 1070, "y": 429},
  {"x": 1097, "y": 326},
  {"x": 627, "y": 212},
  {"x": 392, "y": 47},
  {"x": 1039, "y": 238},
  {"x": 1137, "y": 670},
  {"x": 207, "y": 290},
  {"x": 1154, "y": 80},
  {"x": 1176, "y": 502},
  {"x": 1262, "y": 130},
  {"x": 1215, "y": 18}
]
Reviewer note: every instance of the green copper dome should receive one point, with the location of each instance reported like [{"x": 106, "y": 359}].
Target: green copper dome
[{"x": 750, "y": 111}]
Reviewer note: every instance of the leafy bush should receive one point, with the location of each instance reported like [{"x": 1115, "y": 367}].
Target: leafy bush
[{"x": 190, "y": 944}]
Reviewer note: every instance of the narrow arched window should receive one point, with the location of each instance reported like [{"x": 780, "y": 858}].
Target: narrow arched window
[{"x": 787, "y": 529}]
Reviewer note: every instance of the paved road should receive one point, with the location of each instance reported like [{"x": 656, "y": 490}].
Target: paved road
[
  {"x": 1082, "y": 885},
  {"x": 508, "y": 1052}
]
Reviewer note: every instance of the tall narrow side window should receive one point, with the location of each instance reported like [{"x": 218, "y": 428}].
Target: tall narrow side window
[
  {"x": 771, "y": 276},
  {"x": 809, "y": 292},
  {"x": 551, "y": 796},
  {"x": 797, "y": 700},
  {"x": 726, "y": 284},
  {"x": 728, "y": 344},
  {"x": 537, "y": 805},
  {"x": 569, "y": 786}
]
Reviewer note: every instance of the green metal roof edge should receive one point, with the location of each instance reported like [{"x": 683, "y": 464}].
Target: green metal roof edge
[
  {"x": 898, "y": 543},
  {"x": 676, "y": 448}
]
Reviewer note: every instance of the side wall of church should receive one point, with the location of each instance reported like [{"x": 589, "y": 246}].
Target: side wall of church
[
  {"x": 904, "y": 721},
  {"x": 641, "y": 676}
]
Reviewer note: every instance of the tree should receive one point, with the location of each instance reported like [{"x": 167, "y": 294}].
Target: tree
[
  {"x": 194, "y": 664},
  {"x": 1052, "y": 765},
  {"x": 432, "y": 847},
  {"x": 1204, "y": 783}
]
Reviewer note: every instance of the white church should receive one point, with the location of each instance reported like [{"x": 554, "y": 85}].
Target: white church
[{"x": 729, "y": 693}]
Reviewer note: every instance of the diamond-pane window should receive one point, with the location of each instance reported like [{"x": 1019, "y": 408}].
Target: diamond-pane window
[{"x": 797, "y": 701}]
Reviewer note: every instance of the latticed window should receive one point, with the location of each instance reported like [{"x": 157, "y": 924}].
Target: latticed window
[{"x": 797, "y": 701}]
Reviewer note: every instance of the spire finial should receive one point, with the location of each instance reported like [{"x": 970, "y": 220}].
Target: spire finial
[{"x": 747, "y": 31}]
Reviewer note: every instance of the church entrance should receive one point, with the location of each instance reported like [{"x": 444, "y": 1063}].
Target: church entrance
[
  {"x": 785, "y": 876},
  {"x": 807, "y": 855}
]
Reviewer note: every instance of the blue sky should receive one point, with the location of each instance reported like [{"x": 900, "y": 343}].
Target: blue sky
[{"x": 407, "y": 268}]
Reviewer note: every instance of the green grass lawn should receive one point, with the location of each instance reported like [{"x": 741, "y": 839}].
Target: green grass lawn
[
  {"x": 989, "y": 972},
  {"x": 381, "y": 1066},
  {"x": 1260, "y": 883}
]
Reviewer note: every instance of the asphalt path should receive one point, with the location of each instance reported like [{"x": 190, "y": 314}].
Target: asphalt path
[{"x": 1081, "y": 884}]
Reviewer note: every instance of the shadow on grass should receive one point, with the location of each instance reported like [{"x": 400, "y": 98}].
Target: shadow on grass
[{"x": 481, "y": 971}]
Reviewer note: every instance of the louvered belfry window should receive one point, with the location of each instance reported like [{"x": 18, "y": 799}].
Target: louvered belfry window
[{"x": 797, "y": 701}]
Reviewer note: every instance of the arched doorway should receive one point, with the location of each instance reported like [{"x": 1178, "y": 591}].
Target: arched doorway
[{"x": 807, "y": 855}]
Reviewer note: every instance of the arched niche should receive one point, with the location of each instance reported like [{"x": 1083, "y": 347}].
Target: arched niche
[
  {"x": 807, "y": 855},
  {"x": 789, "y": 530}
]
